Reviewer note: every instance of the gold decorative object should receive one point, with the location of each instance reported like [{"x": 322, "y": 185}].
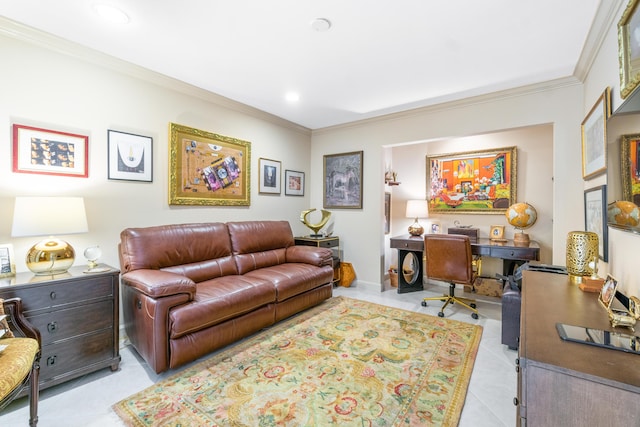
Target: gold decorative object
[
  {"x": 417, "y": 209},
  {"x": 315, "y": 227},
  {"x": 582, "y": 247}
]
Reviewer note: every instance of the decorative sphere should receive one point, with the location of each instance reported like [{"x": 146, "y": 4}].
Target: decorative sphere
[
  {"x": 521, "y": 215},
  {"x": 623, "y": 213},
  {"x": 92, "y": 253}
]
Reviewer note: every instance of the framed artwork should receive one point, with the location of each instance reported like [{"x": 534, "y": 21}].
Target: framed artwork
[
  {"x": 630, "y": 153},
  {"x": 7, "y": 262},
  {"x": 130, "y": 157},
  {"x": 595, "y": 217},
  {"x": 387, "y": 212},
  {"x": 50, "y": 152},
  {"x": 294, "y": 183},
  {"x": 472, "y": 182},
  {"x": 496, "y": 233},
  {"x": 208, "y": 169},
  {"x": 269, "y": 176},
  {"x": 594, "y": 137},
  {"x": 608, "y": 292},
  {"x": 343, "y": 180},
  {"x": 629, "y": 49}
]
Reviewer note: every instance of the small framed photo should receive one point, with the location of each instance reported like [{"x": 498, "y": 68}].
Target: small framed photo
[
  {"x": 594, "y": 137},
  {"x": 608, "y": 292},
  {"x": 130, "y": 156},
  {"x": 50, "y": 152},
  {"x": 7, "y": 263},
  {"x": 294, "y": 183},
  {"x": 496, "y": 233},
  {"x": 595, "y": 217},
  {"x": 269, "y": 176}
]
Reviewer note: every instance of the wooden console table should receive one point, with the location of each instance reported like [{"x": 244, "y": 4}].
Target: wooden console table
[
  {"x": 413, "y": 247},
  {"x": 564, "y": 383}
]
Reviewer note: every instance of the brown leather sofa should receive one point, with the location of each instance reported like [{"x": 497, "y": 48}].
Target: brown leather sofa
[{"x": 188, "y": 289}]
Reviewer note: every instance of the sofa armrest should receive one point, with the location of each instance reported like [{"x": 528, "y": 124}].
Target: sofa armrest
[
  {"x": 310, "y": 255},
  {"x": 158, "y": 283}
]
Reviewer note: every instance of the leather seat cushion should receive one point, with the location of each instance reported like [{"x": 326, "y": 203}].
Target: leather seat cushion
[
  {"x": 292, "y": 278},
  {"x": 218, "y": 300}
]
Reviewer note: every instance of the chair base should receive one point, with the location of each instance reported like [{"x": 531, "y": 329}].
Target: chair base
[{"x": 451, "y": 299}]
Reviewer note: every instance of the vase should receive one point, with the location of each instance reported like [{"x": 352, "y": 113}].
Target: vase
[{"x": 582, "y": 249}]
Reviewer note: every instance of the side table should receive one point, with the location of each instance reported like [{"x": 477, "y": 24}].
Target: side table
[
  {"x": 77, "y": 315},
  {"x": 332, "y": 242}
]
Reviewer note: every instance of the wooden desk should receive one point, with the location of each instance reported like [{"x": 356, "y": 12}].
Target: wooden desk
[
  {"x": 570, "y": 384},
  {"x": 413, "y": 247}
]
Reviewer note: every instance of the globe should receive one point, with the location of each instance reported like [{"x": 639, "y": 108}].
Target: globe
[
  {"x": 521, "y": 215},
  {"x": 623, "y": 213}
]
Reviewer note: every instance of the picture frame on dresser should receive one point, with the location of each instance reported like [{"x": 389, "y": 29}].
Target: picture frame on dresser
[
  {"x": 593, "y": 130},
  {"x": 7, "y": 261},
  {"x": 595, "y": 217},
  {"x": 130, "y": 156},
  {"x": 50, "y": 152}
]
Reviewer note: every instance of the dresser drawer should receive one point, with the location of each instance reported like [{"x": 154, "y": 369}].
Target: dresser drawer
[
  {"x": 64, "y": 357},
  {"x": 66, "y": 323},
  {"x": 413, "y": 244},
  {"x": 512, "y": 253},
  {"x": 58, "y": 294}
]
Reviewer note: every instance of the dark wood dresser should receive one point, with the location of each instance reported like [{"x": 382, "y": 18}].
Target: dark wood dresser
[
  {"x": 77, "y": 315},
  {"x": 564, "y": 383}
]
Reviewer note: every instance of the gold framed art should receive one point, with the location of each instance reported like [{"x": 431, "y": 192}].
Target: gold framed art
[
  {"x": 496, "y": 233},
  {"x": 472, "y": 182},
  {"x": 593, "y": 131},
  {"x": 629, "y": 49},
  {"x": 208, "y": 169}
]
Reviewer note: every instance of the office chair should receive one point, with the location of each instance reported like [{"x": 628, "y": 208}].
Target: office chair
[
  {"x": 449, "y": 259},
  {"x": 19, "y": 357}
]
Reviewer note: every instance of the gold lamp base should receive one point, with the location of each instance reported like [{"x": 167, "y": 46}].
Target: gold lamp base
[
  {"x": 416, "y": 229},
  {"x": 50, "y": 256}
]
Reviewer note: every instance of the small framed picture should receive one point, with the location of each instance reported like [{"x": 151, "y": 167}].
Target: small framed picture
[
  {"x": 595, "y": 217},
  {"x": 7, "y": 263},
  {"x": 496, "y": 233},
  {"x": 130, "y": 156},
  {"x": 436, "y": 228},
  {"x": 608, "y": 292},
  {"x": 294, "y": 183},
  {"x": 594, "y": 137},
  {"x": 50, "y": 152},
  {"x": 269, "y": 176}
]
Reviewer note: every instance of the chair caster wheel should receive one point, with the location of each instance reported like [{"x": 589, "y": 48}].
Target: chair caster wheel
[
  {"x": 474, "y": 315},
  {"x": 440, "y": 314},
  {"x": 424, "y": 303},
  {"x": 472, "y": 306}
]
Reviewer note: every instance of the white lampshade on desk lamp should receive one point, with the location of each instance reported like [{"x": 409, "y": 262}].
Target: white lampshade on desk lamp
[
  {"x": 49, "y": 216},
  {"x": 417, "y": 209}
]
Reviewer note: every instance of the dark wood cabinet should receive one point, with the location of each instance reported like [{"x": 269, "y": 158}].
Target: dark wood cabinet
[
  {"x": 77, "y": 315},
  {"x": 564, "y": 383},
  {"x": 331, "y": 242}
]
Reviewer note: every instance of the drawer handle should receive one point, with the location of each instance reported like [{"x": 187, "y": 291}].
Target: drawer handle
[
  {"x": 513, "y": 253},
  {"x": 517, "y": 368},
  {"x": 51, "y": 360},
  {"x": 52, "y": 295},
  {"x": 52, "y": 327},
  {"x": 515, "y": 401}
]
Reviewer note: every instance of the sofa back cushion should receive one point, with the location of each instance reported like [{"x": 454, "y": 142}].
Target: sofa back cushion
[
  {"x": 259, "y": 244},
  {"x": 198, "y": 251}
]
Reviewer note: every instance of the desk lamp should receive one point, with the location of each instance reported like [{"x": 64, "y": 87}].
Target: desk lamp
[
  {"x": 417, "y": 209},
  {"x": 47, "y": 216}
]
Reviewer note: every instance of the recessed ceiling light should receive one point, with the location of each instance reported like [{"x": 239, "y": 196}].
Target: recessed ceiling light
[
  {"x": 321, "y": 24},
  {"x": 292, "y": 97},
  {"x": 111, "y": 13}
]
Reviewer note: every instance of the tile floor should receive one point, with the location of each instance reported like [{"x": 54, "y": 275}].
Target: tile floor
[{"x": 87, "y": 401}]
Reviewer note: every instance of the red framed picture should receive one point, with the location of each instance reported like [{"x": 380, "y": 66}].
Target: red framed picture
[{"x": 50, "y": 152}]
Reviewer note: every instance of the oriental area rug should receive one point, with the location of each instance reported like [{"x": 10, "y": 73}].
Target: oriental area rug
[{"x": 345, "y": 362}]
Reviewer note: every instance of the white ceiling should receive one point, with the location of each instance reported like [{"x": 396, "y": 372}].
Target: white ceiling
[{"x": 378, "y": 57}]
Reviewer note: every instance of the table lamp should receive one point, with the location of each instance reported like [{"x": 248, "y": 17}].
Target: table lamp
[
  {"x": 48, "y": 216},
  {"x": 417, "y": 209}
]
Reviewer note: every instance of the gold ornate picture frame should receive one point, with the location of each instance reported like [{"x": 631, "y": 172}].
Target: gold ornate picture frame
[
  {"x": 593, "y": 131},
  {"x": 629, "y": 49},
  {"x": 482, "y": 181},
  {"x": 208, "y": 169}
]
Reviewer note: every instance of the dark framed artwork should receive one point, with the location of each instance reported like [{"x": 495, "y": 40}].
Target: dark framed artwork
[
  {"x": 293, "y": 183},
  {"x": 387, "y": 212},
  {"x": 472, "y": 182},
  {"x": 595, "y": 217},
  {"x": 208, "y": 169},
  {"x": 629, "y": 49},
  {"x": 270, "y": 171},
  {"x": 343, "y": 180},
  {"x": 594, "y": 137},
  {"x": 130, "y": 156},
  {"x": 50, "y": 152}
]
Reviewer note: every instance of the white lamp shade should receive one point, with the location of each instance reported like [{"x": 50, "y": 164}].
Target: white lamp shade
[
  {"x": 417, "y": 209},
  {"x": 48, "y": 216}
]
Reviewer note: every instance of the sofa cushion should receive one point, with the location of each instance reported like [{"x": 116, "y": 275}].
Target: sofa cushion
[
  {"x": 259, "y": 244},
  {"x": 292, "y": 279},
  {"x": 218, "y": 300}
]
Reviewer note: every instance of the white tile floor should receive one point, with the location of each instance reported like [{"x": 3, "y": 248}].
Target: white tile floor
[{"x": 87, "y": 401}]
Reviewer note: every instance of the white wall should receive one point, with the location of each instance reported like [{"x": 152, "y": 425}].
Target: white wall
[{"x": 44, "y": 88}]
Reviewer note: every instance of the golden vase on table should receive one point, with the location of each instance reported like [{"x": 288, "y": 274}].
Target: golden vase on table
[{"x": 582, "y": 248}]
